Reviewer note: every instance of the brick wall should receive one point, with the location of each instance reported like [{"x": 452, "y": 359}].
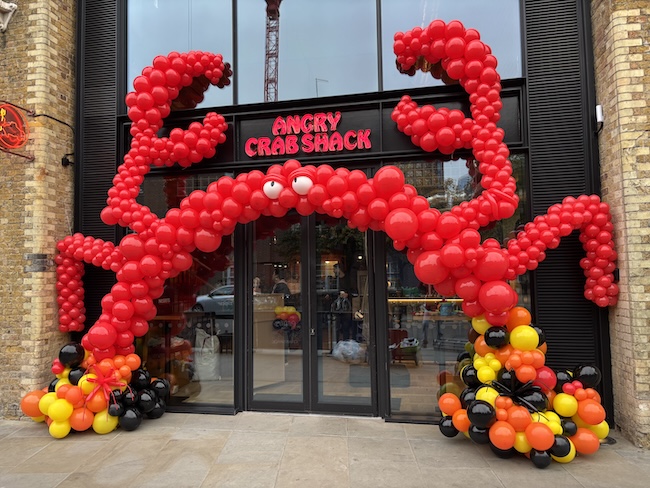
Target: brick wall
[
  {"x": 38, "y": 73},
  {"x": 621, "y": 30}
]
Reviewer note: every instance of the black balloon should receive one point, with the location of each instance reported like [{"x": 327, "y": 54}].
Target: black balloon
[
  {"x": 51, "y": 387},
  {"x": 129, "y": 397},
  {"x": 534, "y": 400},
  {"x": 479, "y": 435},
  {"x": 116, "y": 409},
  {"x": 158, "y": 410},
  {"x": 472, "y": 335},
  {"x": 508, "y": 378},
  {"x": 146, "y": 400},
  {"x": 562, "y": 378},
  {"x": 161, "y": 387},
  {"x": 462, "y": 355},
  {"x": 588, "y": 375},
  {"x": 447, "y": 427},
  {"x": 75, "y": 375},
  {"x": 71, "y": 354},
  {"x": 541, "y": 459},
  {"x": 497, "y": 337},
  {"x": 481, "y": 414},
  {"x": 540, "y": 333},
  {"x": 503, "y": 453},
  {"x": 561, "y": 446},
  {"x": 131, "y": 419},
  {"x": 117, "y": 395},
  {"x": 140, "y": 379},
  {"x": 469, "y": 377},
  {"x": 569, "y": 427},
  {"x": 467, "y": 396}
]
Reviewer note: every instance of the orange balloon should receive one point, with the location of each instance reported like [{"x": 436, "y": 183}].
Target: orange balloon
[
  {"x": 525, "y": 373},
  {"x": 460, "y": 420},
  {"x": 585, "y": 440},
  {"x": 519, "y": 417},
  {"x": 62, "y": 390},
  {"x": 481, "y": 347},
  {"x": 133, "y": 361},
  {"x": 514, "y": 361},
  {"x": 591, "y": 411},
  {"x": 81, "y": 419},
  {"x": 518, "y": 316},
  {"x": 449, "y": 403},
  {"x": 502, "y": 414},
  {"x": 580, "y": 394},
  {"x": 543, "y": 348},
  {"x": 75, "y": 396},
  {"x": 550, "y": 394},
  {"x": 119, "y": 361},
  {"x": 502, "y": 435},
  {"x": 106, "y": 366},
  {"x": 503, "y": 353},
  {"x": 125, "y": 371},
  {"x": 29, "y": 403},
  {"x": 539, "y": 436},
  {"x": 538, "y": 358},
  {"x": 97, "y": 403}
]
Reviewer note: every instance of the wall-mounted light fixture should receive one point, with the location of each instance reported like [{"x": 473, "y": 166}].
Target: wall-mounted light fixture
[
  {"x": 6, "y": 11},
  {"x": 600, "y": 120}
]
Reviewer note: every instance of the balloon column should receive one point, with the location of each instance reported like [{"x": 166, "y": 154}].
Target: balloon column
[
  {"x": 514, "y": 403},
  {"x": 99, "y": 395},
  {"x": 445, "y": 249}
]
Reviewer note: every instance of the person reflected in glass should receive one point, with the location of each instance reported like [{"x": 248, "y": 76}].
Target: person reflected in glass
[
  {"x": 280, "y": 286},
  {"x": 257, "y": 285},
  {"x": 342, "y": 308}
]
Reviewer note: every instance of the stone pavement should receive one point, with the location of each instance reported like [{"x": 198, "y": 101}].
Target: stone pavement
[{"x": 268, "y": 450}]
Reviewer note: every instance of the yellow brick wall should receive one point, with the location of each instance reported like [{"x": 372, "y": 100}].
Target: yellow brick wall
[
  {"x": 37, "y": 72},
  {"x": 621, "y": 30}
]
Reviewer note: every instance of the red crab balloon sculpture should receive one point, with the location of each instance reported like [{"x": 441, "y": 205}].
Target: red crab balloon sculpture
[{"x": 445, "y": 248}]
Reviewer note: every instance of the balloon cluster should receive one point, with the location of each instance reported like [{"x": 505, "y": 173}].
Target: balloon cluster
[
  {"x": 505, "y": 397},
  {"x": 444, "y": 248},
  {"x": 286, "y": 318},
  {"x": 84, "y": 393}
]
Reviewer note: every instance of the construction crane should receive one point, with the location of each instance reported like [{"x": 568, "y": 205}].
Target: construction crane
[{"x": 272, "y": 50}]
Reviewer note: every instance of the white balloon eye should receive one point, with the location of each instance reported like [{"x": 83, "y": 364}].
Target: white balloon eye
[
  {"x": 272, "y": 189},
  {"x": 302, "y": 184}
]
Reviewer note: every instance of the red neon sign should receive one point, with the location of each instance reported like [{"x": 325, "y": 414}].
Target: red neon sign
[
  {"x": 14, "y": 130},
  {"x": 308, "y": 133}
]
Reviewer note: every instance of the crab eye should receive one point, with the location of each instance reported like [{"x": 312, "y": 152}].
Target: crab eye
[
  {"x": 302, "y": 184},
  {"x": 272, "y": 189}
]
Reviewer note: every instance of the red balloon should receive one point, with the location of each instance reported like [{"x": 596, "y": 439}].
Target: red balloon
[
  {"x": 102, "y": 335},
  {"x": 429, "y": 268},
  {"x": 150, "y": 265},
  {"x": 546, "y": 378},
  {"x": 497, "y": 296},
  {"x": 388, "y": 181},
  {"x": 207, "y": 240},
  {"x": 492, "y": 266},
  {"x": 448, "y": 226},
  {"x": 401, "y": 224},
  {"x": 468, "y": 287},
  {"x": 453, "y": 255}
]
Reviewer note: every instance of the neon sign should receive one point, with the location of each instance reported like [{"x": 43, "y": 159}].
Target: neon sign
[
  {"x": 14, "y": 131},
  {"x": 308, "y": 133}
]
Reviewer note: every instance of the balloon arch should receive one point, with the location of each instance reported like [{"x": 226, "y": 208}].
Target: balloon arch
[{"x": 510, "y": 398}]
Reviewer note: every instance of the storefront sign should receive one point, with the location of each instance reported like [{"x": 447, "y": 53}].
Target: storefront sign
[
  {"x": 14, "y": 131},
  {"x": 308, "y": 133}
]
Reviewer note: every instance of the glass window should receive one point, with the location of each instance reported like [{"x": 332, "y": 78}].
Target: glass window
[
  {"x": 325, "y": 48},
  {"x": 190, "y": 341},
  {"x": 427, "y": 332},
  {"x": 158, "y": 27},
  {"x": 499, "y": 26}
]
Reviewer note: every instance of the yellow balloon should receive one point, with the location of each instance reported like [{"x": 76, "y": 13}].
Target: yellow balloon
[
  {"x": 524, "y": 338},
  {"x": 45, "y": 402},
  {"x": 495, "y": 364},
  {"x": 64, "y": 374},
  {"x": 60, "y": 410},
  {"x": 565, "y": 405},
  {"x": 601, "y": 430},
  {"x": 556, "y": 427},
  {"x": 485, "y": 374},
  {"x": 579, "y": 422},
  {"x": 85, "y": 385},
  {"x": 480, "y": 363},
  {"x": 480, "y": 325},
  {"x": 552, "y": 416},
  {"x": 569, "y": 457},
  {"x": 103, "y": 423},
  {"x": 59, "y": 430},
  {"x": 38, "y": 419},
  {"x": 521, "y": 443},
  {"x": 487, "y": 394},
  {"x": 539, "y": 417}
]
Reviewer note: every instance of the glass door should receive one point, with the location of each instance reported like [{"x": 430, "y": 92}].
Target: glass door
[{"x": 310, "y": 321}]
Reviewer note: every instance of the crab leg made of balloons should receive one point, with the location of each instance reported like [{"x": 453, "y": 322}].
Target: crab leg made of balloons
[{"x": 445, "y": 248}]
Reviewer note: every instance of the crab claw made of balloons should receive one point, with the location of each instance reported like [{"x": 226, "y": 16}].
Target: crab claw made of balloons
[{"x": 445, "y": 248}]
